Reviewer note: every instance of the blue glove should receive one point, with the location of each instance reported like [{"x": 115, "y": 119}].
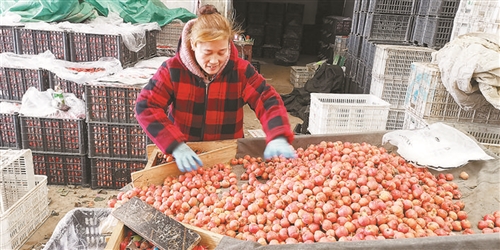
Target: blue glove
[
  {"x": 279, "y": 147},
  {"x": 186, "y": 159}
]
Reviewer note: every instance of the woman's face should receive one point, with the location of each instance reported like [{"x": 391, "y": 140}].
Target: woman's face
[{"x": 211, "y": 55}]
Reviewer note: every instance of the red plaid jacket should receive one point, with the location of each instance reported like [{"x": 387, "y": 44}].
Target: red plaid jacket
[{"x": 205, "y": 112}]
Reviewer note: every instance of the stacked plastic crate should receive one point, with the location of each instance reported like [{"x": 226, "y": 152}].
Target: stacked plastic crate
[
  {"x": 390, "y": 73},
  {"x": 427, "y": 101},
  {"x": 274, "y": 29},
  {"x": 24, "y": 201},
  {"x": 376, "y": 22},
  {"x": 255, "y": 25},
  {"x": 290, "y": 49},
  {"x": 116, "y": 142},
  {"x": 333, "y": 38},
  {"x": 167, "y": 39},
  {"x": 434, "y": 22},
  {"x": 477, "y": 16}
]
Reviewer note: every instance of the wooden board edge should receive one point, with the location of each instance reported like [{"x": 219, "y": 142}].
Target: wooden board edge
[
  {"x": 116, "y": 236},
  {"x": 209, "y": 239},
  {"x": 156, "y": 175}
]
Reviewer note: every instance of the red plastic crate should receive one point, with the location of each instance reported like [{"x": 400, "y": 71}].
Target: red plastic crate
[
  {"x": 34, "y": 42},
  {"x": 117, "y": 141},
  {"x": 10, "y": 132},
  {"x": 15, "y": 81},
  {"x": 54, "y": 135},
  {"x": 113, "y": 104},
  {"x": 86, "y": 47},
  {"x": 62, "y": 169},
  {"x": 9, "y": 38},
  {"x": 113, "y": 173}
]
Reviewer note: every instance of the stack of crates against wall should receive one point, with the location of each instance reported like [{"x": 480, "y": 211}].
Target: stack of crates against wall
[
  {"x": 274, "y": 30},
  {"x": 389, "y": 20},
  {"x": 9, "y": 38},
  {"x": 34, "y": 41},
  {"x": 117, "y": 144},
  {"x": 390, "y": 73},
  {"x": 477, "y": 16},
  {"x": 85, "y": 47},
  {"x": 299, "y": 75},
  {"x": 345, "y": 113},
  {"x": 428, "y": 99},
  {"x": 434, "y": 22},
  {"x": 59, "y": 147},
  {"x": 168, "y": 38},
  {"x": 293, "y": 23},
  {"x": 256, "y": 25},
  {"x": 24, "y": 201},
  {"x": 15, "y": 81},
  {"x": 332, "y": 30}
]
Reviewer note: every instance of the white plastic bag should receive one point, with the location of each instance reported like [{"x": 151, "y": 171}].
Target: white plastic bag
[
  {"x": 437, "y": 146},
  {"x": 40, "y": 104}
]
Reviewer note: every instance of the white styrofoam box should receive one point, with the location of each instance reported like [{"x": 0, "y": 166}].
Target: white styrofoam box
[
  {"x": 299, "y": 75},
  {"x": 391, "y": 89},
  {"x": 428, "y": 98},
  {"x": 343, "y": 113},
  {"x": 22, "y": 219},
  {"x": 16, "y": 176},
  {"x": 395, "y": 60}
]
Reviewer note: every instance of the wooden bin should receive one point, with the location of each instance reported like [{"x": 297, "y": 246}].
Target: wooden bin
[{"x": 214, "y": 152}]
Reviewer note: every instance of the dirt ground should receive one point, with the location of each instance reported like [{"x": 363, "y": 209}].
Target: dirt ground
[{"x": 65, "y": 198}]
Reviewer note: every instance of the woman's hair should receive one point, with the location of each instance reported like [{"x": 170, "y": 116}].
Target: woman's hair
[{"x": 211, "y": 25}]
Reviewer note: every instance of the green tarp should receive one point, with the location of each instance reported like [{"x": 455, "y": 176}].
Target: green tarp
[{"x": 132, "y": 11}]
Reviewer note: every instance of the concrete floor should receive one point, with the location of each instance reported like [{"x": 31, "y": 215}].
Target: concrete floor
[{"x": 279, "y": 77}]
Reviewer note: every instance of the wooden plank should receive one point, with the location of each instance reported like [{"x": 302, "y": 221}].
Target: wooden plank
[
  {"x": 162, "y": 231},
  {"x": 156, "y": 175},
  {"x": 203, "y": 147},
  {"x": 116, "y": 237}
]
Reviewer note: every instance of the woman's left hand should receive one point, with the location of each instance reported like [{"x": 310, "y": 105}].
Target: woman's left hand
[{"x": 279, "y": 147}]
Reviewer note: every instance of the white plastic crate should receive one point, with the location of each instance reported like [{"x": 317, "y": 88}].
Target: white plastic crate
[
  {"x": 299, "y": 75},
  {"x": 395, "y": 119},
  {"x": 395, "y": 60},
  {"x": 343, "y": 113},
  {"x": 16, "y": 176},
  {"x": 391, "y": 89},
  {"x": 22, "y": 219},
  {"x": 427, "y": 98}
]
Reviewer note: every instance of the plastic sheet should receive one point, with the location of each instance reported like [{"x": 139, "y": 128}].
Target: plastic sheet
[
  {"x": 41, "y": 104},
  {"x": 82, "y": 72},
  {"x": 49, "y": 10},
  {"x": 12, "y": 60},
  {"x": 9, "y": 107}
]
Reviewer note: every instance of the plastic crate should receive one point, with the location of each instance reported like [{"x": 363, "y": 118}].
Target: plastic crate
[
  {"x": 395, "y": 60},
  {"x": 168, "y": 37},
  {"x": 113, "y": 173},
  {"x": 354, "y": 45},
  {"x": 364, "y": 5},
  {"x": 9, "y": 39},
  {"x": 15, "y": 81},
  {"x": 54, "y": 135},
  {"x": 16, "y": 176},
  {"x": 85, "y": 47},
  {"x": 62, "y": 169},
  {"x": 117, "y": 141},
  {"x": 390, "y": 89},
  {"x": 427, "y": 98},
  {"x": 111, "y": 103},
  {"x": 299, "y": 75},
  {"x": 466, "y": 24},
  {"x": 388, "y": 27},
  {"x": 337, "y": 25},
  {"x": 395, "y": 119},
  {"x": 367, "y": 82},
  {"x": 10, "y": 131},
  {"x": 34, "y": 42},
  {"x": 354, "y": 25},
  {"x": 419, "y": 30},
  {"x": 342, "y": 113},
  {"x": 400, "y": 7},
  {"x": 80, "y": 229},
  {"x": 28, "y": 213},
  {"x": 360, "y": 73},
  {"x": 442, "y": 8},
  {"x": 66, "y": 86},
  {"x": 360, "y": 29},
  {"x": 437, "y": 31}
]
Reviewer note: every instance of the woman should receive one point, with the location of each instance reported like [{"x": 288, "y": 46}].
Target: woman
[{"x": 204, "y": 87}]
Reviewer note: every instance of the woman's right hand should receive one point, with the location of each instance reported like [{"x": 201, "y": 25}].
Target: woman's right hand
[{"x": 186, "y": 159}]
